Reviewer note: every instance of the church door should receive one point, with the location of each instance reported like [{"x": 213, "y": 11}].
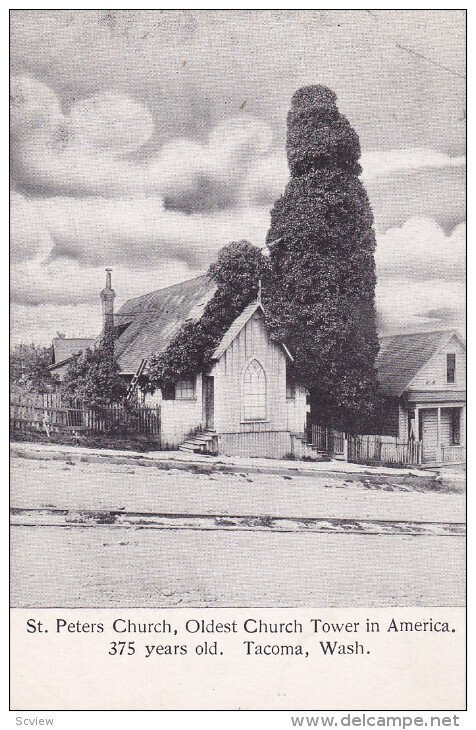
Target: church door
[{"x": 208, "y": 401}]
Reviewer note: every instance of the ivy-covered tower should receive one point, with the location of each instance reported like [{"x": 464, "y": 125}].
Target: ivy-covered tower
[{"x": 320, "y": 298}]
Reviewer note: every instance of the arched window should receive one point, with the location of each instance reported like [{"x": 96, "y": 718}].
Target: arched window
[{"x": 254, "y": 392}]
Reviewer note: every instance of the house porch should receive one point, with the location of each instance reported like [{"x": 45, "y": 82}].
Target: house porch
[{"x": 439, "y": 422}]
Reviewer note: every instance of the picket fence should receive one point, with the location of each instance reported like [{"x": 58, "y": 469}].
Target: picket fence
[
  {"x": 374, "y": 449},
  {"x": 48, "y": 412}
]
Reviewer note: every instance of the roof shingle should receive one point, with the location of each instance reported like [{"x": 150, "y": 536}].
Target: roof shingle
[
  {"x": 66, "y": 347},
  {"x": 153, "y": 319}
]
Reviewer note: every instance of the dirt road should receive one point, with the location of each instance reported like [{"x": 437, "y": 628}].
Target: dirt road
[{"x": 88, "y": 534}]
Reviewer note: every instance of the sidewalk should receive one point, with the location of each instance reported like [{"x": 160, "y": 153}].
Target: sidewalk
[{"x": 226, "y": 464}]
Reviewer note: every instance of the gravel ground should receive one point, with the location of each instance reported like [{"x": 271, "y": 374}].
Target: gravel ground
[
  {"x": 107, "y": 567},
  {"x": 63, "y": 557},
  {"x": 77, "y": 485}
]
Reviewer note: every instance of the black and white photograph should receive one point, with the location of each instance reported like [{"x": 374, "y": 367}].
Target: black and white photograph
[{"x": 237, "y": 324}]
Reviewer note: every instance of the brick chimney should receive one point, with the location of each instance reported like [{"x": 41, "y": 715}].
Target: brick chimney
[{"x": 107, "y": 297}]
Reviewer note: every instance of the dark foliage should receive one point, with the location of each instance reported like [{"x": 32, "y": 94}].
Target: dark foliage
[
  {"x": 236, "y": 272},
  {"x": 29, "y": 368},
  {"x": 320, "y": 297},
  {"x": 129, "y": 442},
  {"x": 93, "y": 377}
]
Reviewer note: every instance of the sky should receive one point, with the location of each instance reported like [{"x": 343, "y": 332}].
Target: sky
[{"x": 145, "y": 140}]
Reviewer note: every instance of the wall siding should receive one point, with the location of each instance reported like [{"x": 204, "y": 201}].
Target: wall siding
[
  {"x": 179, "y": 417},
  {"x": 252, "y": 342},
  {"x": 268, "y": 444},
  {"x": 296, "y": 409},
  {"x": 429, "y": 434},
  {"x": 446, "y": 427},
  {"x": 432, "y": 375}
]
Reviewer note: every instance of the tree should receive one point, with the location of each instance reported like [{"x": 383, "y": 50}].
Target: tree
[
  {"x": 320, "y": 298},
  {"x": 93, "y": 377},
  {"x": 236, "y": 272},
  {"x": 29, "y": 367}
]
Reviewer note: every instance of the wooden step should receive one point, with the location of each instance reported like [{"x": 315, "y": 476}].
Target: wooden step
[{"x": 198, "y": 444}]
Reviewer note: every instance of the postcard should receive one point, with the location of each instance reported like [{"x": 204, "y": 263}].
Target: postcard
[{"x": 238, "y": 362}]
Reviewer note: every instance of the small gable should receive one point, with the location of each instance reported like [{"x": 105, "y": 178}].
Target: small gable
[
  {"x": 410, "y": 360},
  {"x": 446, "y": 368},
  {"x": 65, "y": 347},
  {"x": 237, "y": 326}
]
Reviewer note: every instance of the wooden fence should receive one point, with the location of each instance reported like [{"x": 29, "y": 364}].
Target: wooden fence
[
  {"x": 453, "y": 454},
  {"x": 372, "y": 449},
  {"x": 327, "y": 440},
  {"x": 47, "y": 413}
]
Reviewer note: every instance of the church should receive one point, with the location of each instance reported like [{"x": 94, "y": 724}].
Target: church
[{"x": 246, "y": 403}]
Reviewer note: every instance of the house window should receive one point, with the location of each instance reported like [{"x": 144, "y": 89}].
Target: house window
[
  {"x": 185, "y": 390},
  {"x": 450, "y": 367},
  {"x": 168, "y": 391},
  {"x": 455, "y": 426},
  {"x": 254, "y": 392}
]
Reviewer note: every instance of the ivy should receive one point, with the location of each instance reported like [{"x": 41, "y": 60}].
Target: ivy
[
  {"x": 319, "y": 282},
  {"x": 93, "y": 377},
  {"x": 321, "y": 293},
  {"x": 236, "y": 273}
]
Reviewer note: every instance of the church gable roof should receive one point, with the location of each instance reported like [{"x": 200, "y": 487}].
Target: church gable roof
[
  {"x": 401, "y": 357},
  {"x": 235, "y": 328},
  {"x": 152, "y": 320}
]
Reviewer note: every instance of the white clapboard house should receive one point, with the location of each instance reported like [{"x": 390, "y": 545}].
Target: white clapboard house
[{"x": 423, "y": 376}]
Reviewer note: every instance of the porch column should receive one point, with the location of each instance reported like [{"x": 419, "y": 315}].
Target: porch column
[
  {"x": 417, "y": 424},
  {"x": 439, "y": 455}
]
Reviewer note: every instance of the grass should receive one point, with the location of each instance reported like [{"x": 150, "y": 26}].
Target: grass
[{"x": 93, "y": 441}]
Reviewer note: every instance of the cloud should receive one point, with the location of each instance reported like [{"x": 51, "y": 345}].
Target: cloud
[
  {"x": 267, "y": 179},
  {"x": 420, "y": 251},
  {"x": 401, "y": 183},
  {"x": 406, "y": 307},
  {"x": 420, "y": 276},
  {"x": 226, "y": 57},
  {"x": 34, "y": 106},
  {"x": 429, "y": 193},
  {"x": 62, "y": 282},
  {"x": 444, "y": 317},
  {"x": 29, "y": 237},
  {"x": 41, "y": 324},
  {"x": 376, "y": 163},
  {"x": 101, "y": 184},
  {"x": 109, "y": 123},
  {"x": 92, "y": 150},
  {"x": 136, "y": 232},
  {"x": 69, "y": 241},
  {"x": 95, "y": 149}
]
